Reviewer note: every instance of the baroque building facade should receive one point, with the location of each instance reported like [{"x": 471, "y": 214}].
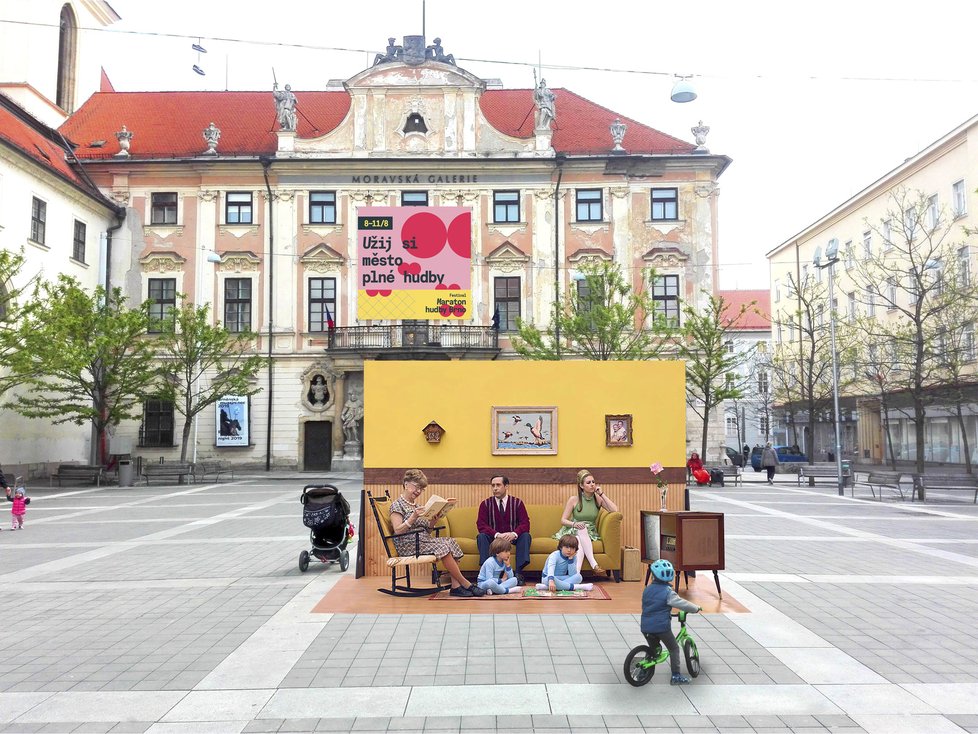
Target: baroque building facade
[{"x": 248, "y": 201}]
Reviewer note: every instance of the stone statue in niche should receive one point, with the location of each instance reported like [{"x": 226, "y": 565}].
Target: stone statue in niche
[{"x": 318, "y": 393}]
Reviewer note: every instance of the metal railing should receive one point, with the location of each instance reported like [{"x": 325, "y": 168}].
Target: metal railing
[{"x": 413, "y": 337}]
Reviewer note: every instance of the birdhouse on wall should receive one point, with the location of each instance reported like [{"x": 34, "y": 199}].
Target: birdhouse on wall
[{"x": 433, "y": 432}]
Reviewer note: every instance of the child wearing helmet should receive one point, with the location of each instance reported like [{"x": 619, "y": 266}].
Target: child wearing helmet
[{"x": 658, "y": 601}]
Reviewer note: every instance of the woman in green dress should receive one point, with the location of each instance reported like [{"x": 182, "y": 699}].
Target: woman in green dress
[{"x": 581, "y": 517}]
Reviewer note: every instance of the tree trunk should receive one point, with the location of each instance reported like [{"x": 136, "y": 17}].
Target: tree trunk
[
  {"x": 918, "y": 429},
  {"x": 886, "y": 429},
  {"x": 964, "y": 439},
  {"x": 706, "y": 427},
  {"x": 185, "y": 442}
]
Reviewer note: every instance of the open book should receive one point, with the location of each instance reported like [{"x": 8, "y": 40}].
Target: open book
[{"x": 435, "y": 505}]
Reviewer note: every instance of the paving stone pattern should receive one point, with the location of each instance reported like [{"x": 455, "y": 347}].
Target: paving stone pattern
[{"x": 181, "y": 608}]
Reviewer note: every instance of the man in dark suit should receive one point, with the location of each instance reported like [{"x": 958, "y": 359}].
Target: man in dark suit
[{"x": 504, "y": 516}]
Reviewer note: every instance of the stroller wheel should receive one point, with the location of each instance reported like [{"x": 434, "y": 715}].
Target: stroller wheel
[
  {"x": 303, "y": 561},
  {"x": 344, "y": 560}
]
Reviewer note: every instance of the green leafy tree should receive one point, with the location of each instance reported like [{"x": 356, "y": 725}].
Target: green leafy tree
[
  {"x": 202, "y": 362},
  {"x": 605, "y": 318},
  {"x": 713, "y": 372},
  {"x": 11, "y": 264},
  {"x": 82, "y": 357}
]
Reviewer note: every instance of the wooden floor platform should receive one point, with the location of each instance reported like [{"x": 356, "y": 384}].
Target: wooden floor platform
[{"x": 360, "y": 596}]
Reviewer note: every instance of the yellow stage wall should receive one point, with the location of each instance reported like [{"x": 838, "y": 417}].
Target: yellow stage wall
[{"x": 402, "y": 397}]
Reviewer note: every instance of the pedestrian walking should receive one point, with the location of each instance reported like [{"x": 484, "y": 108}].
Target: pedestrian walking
[{"x": 769, "y": 461}]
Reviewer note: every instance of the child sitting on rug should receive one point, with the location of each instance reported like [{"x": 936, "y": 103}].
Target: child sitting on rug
[
  {"x": 496, "y": 575},
  {"x": 560, "y": 570},
  {"x": 658, "y": 601}
]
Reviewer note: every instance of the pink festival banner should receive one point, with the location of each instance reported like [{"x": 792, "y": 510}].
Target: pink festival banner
[{"x": 414, "y": 262}]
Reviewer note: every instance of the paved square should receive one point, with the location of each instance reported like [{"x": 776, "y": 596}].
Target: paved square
[{"x": 182, "y": 609}]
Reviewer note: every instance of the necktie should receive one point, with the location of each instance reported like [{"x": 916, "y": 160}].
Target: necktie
[{"x": 500, "y": 508}]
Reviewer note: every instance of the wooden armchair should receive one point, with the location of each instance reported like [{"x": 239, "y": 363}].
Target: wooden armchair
[{"x": 396, "y": 562}]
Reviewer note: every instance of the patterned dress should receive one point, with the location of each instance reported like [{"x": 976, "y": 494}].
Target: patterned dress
[
  {"x": 429, "y": 544},
  {"x": 588, "y": 514}
]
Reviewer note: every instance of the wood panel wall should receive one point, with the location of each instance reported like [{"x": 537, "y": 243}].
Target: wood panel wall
[{"x": 630, "y": 499}]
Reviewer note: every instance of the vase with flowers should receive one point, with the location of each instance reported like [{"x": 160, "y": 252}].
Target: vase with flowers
[{"x": 656, "y": 470}]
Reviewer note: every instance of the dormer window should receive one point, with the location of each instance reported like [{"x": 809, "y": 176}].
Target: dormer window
[{"x": 415, "y": 124}]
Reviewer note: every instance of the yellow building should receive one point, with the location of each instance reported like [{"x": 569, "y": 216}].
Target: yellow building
[{"x": 910, "y": 227}]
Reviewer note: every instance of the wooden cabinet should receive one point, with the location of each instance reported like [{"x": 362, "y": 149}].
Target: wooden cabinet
[{"x": 690, "y": 541}]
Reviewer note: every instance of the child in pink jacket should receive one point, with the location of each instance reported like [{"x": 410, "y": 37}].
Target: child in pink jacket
[{"x": 17, "y": 512}]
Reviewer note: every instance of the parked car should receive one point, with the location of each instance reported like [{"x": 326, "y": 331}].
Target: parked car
[
  {"x": 734, "y": 456},
  {"x": 786, "y": 455}
]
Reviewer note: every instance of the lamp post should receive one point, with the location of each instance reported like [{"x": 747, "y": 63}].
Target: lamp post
[{"x": 831, "y": 255}]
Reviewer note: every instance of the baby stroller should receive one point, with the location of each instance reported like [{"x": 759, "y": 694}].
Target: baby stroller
[{"x": 327, "y": 515}]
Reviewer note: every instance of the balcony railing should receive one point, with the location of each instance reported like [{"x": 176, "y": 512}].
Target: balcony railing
[{"x": 414, "y": 338}]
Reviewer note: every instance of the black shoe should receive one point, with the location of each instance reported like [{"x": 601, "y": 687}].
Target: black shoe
[
  {"x": 476, "y": 591},
  {"x": 461, "y": 591},
  {"x": 520, "y": 581}
]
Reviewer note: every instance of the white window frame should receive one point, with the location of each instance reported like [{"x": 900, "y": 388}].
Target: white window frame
[{"x": 959, "y": 198}]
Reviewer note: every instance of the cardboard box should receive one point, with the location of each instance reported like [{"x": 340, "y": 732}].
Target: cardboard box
[{"x": 631, "y": 564}]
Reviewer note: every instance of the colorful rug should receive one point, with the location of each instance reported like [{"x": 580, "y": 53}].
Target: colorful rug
[{"x": 596, "y": 594}]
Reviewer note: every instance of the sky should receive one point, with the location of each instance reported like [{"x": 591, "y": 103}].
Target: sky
[{"x": 813, "y": 102}]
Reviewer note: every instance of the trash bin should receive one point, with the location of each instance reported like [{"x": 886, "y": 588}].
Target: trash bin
[{"x": 125, "y": 472}]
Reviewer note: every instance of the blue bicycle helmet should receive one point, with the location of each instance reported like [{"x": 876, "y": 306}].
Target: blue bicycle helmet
[{"x": 663, "y": 570}]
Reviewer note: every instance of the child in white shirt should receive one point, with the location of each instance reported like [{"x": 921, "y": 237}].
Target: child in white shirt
[
  {"x": 560, "y": 570},
  {"x": 496, "y": 575}
]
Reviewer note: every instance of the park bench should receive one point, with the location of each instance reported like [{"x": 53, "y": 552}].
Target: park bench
[
  {"x": 813, "y": 472},
  {"x": 78, "y": 473},
  {"x": 734, "y": 474},
  {"x": 922, "y": 483},
  {"x": 877, "y": 481},
  {"x": 217, "y": 467},
  {"x": 165, "y": 470}
]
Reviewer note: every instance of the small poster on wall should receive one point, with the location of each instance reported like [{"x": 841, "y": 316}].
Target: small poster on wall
[{"x": 232, "y": 421}]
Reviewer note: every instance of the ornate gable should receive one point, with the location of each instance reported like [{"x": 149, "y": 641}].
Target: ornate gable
[
  {"x": 322, "y": 259},
  {"x": 507, "y": 258}
]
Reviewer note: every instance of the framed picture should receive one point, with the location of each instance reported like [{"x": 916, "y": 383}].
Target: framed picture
[
  {"x": 524, "y": 430},
  {"x": 618, "y": 430}
]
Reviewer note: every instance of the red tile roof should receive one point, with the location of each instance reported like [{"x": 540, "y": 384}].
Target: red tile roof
[
  {"x": 34, "y": 140},
  {"x": 169, "y": 124},
  {"x": 757, "y": 317}
]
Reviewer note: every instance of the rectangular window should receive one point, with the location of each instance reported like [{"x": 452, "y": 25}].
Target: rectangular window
[
  {"x": 238, "y": 207},
  {"x": 237, "y": 305},
  {"x": 968, "y": 339},
  {"x": 506, "y": 292},
  {"x": 163, "y": 298},
  {"x": 852, "y": 308},
  {"x": 589, "y": 205},
  {"x": 39, "y": 217},
  {"x": 78, "y": 242},
  {"x": 762, "y": 383},
  {"x": 870, "y": 305},
  {"x": 887, "y": 233},
  {"x": 163, "y": 208},
  {"x": 891, "y": 291},
  {"x": 777, "y": 291},
  {"x": 665, "y": 298},
  {"x": 867, "y": 245},
  {"x": 910, "y": 223},
  {"x": 665, "y": 205},
  {"x": 586, "y": 298},
  {"x": 157, "y": 428},
  {"x": 933, "y": 213},
  {"x": 959, "y": 202},
  {"x": 964, "y": 267},
  {"x": 414, "y": 198},
  {"x": 731, "y": 425},
  {"x": 850, "y": 254},
  {"x": 322, "y": 207},
  {"x": 729, "y": 346},
  {"x": 505, "y": 206},
  {"x": 322, "y": 304},
  {"x": 762, "y": 425}
]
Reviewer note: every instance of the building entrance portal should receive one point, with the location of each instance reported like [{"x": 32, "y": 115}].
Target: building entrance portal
[{"x": 317, "y": 445}]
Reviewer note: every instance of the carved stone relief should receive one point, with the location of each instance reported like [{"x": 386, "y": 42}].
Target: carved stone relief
[
  {"x": 239, "y": 262},
  {"x": 207, "y": 195},
  {"x": 162, "y": 262}
]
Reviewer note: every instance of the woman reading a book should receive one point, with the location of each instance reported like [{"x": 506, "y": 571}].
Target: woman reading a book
[
  {"x": 581, "y": 517},
  {"x": 408, "y": 516}
]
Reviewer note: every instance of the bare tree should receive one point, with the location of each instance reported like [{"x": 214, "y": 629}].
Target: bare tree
[{"x": 916, "y": 278}]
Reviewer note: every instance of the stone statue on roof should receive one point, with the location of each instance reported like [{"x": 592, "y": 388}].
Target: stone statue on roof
[
  {"x": 435, "y": 52},
  {"x": 394, "y": 53},
  {"x": 545, "y": 101},
  {"x": 285, "y": 108}
]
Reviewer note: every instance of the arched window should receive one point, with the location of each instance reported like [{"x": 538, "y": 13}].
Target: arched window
[
  {"x": 415, "y": 124},
  {"x": 67, "y": 52}
]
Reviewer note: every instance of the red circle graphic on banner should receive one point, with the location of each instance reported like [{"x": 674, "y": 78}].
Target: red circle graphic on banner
[
  {"x": 459, "y": 235},
  {"x": 423, "y": 235}
]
